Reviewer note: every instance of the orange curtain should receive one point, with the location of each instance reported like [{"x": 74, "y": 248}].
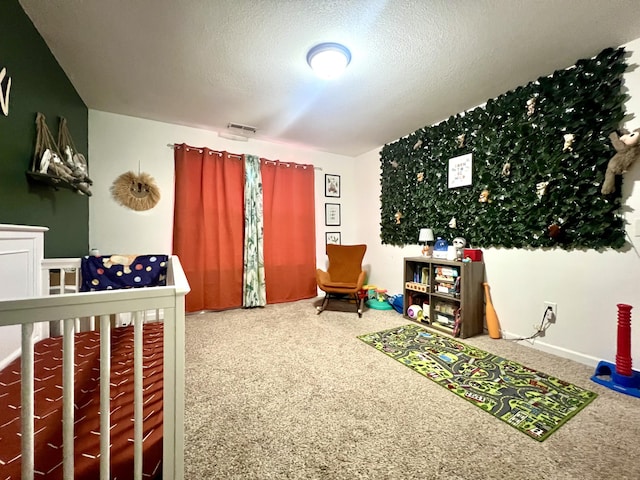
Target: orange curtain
[
  {"x": 289, "y": 231},
  {"x": 209, "y": 226}
]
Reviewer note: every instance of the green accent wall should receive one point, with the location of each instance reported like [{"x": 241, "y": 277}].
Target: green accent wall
[{"x": 38, "y": 84}]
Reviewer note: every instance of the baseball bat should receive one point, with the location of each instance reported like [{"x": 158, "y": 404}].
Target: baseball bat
[{"x": 493, "y": 325}]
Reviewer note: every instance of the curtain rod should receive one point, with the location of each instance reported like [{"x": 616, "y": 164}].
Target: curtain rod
[{"x": 174, "y": 145}]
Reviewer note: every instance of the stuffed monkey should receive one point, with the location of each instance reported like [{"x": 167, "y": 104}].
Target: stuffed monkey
[{"x": 627, "y": 151}]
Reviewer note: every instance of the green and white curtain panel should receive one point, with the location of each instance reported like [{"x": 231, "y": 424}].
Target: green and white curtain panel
[{"x": 254, "y": 292}]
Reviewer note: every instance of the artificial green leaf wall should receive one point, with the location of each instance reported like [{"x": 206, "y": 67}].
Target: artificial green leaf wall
[{"x": 518, "y": 143}]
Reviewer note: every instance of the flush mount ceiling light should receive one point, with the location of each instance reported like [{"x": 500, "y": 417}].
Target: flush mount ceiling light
[{"x": 328, "y": 60}]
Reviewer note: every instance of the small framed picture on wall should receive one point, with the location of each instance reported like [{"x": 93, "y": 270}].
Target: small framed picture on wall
[
  {"x": 333, "y": 238},
  {"x": 460, "y": 171},
  {"x": 332, "y": 185},
  {"x": 332, "y": 214}
]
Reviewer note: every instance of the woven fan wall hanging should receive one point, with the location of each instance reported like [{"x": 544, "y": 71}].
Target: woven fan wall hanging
[{"x": 136, "y": 191}]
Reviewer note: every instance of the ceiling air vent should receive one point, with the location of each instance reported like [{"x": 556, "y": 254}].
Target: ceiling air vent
[
  {"x": 238, "y": 132},
  {"x": 241, "y": 129}
]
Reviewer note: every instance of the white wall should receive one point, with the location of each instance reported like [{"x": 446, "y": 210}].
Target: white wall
[
  {"x": 119, "y": 143},
  {"x": 586, "y": 285}
]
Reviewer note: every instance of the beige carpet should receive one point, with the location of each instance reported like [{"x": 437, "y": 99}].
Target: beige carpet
[{"x": 282, "y": 393}]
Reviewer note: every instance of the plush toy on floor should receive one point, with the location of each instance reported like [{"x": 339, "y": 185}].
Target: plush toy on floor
[{"x": 627, "y": 151}]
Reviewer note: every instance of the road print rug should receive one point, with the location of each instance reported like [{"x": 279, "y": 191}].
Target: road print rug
[{"x": 530, "y": 401}]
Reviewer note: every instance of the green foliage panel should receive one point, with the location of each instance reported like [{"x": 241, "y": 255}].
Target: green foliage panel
[{"x": 528, "y": 141}]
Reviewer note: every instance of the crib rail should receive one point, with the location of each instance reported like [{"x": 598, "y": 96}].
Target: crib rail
[
  {"x": 61, "y": 266},
  {"x": 30, "y": 311}
]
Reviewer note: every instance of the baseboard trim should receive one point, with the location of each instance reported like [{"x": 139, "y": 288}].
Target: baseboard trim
[{"x": 555, "y": 350}]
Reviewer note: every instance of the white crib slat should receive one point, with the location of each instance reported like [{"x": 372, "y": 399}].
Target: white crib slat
[
  {"x": 27, "y": 401},
  {"x": 173, "y": 386},
  {"x": 173, "y": 392},
  {"x": 137, "y": 394},
  {"x": 67, "y": 397},
  {"x": 105, "y": 395}
]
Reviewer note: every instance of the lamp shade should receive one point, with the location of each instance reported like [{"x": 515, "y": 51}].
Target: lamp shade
[{"x": 426, "y": 235}]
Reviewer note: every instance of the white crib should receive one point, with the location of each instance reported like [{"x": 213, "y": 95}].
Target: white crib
[{"x": 34, "y": 316}]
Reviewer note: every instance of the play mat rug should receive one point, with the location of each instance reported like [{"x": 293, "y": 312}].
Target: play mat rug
[{"x": 526, "y": 399}]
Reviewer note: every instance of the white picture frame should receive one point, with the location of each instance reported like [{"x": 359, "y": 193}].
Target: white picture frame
[{"x": 460, "y": 171}]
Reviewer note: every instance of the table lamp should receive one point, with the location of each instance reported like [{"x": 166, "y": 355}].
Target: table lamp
[{"x": 426, "y": 237}]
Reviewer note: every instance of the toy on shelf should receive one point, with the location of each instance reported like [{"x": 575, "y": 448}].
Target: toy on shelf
[
  {"x": 459, "y": 243},
  {"x": 415, "y": 312},
  {"x": 473, "y": 254},
  {"x": 620, "y": 377}
]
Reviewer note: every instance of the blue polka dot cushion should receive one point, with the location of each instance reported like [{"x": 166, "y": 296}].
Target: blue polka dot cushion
[{"x": 112, "y": 272}]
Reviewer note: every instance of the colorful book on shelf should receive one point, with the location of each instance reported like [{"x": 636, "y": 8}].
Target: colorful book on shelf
[
  {"x": 445, "y": 288},
  {"x": 446, "y": 271},
  {"x": 424, "y": 275},
  {"x": 444, "y": 320},
  {"x": 446, "y": 278}
]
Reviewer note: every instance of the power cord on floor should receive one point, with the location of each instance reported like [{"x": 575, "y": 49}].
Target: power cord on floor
[{"x": 547, "y": 319}]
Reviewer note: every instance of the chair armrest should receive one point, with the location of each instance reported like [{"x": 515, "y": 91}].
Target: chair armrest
[
  {"x": 361, "y": 278},
  {"x": 322, "y": 277}
]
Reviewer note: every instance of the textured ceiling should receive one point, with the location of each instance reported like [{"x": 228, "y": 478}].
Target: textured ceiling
[{"x": 414, "y": 63}]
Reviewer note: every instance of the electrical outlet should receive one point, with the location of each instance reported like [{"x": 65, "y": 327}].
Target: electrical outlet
[{"x": 553, "y": 315}]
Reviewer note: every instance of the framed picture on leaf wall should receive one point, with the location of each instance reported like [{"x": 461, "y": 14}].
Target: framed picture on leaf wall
[
  {"x": 332, "y": 185},
  {"x": 460, "y": 171},
  {"x": 332, "y": 214}
]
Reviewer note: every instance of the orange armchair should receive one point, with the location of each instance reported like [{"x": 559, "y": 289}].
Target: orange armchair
[{"x": 344, "y": 277}]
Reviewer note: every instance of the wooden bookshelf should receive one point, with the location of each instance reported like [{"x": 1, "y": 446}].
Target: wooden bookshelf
[{"x": 452, "y": 290}]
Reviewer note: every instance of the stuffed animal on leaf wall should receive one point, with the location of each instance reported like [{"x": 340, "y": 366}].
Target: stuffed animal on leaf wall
[{"x": 627, "y": 151}]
